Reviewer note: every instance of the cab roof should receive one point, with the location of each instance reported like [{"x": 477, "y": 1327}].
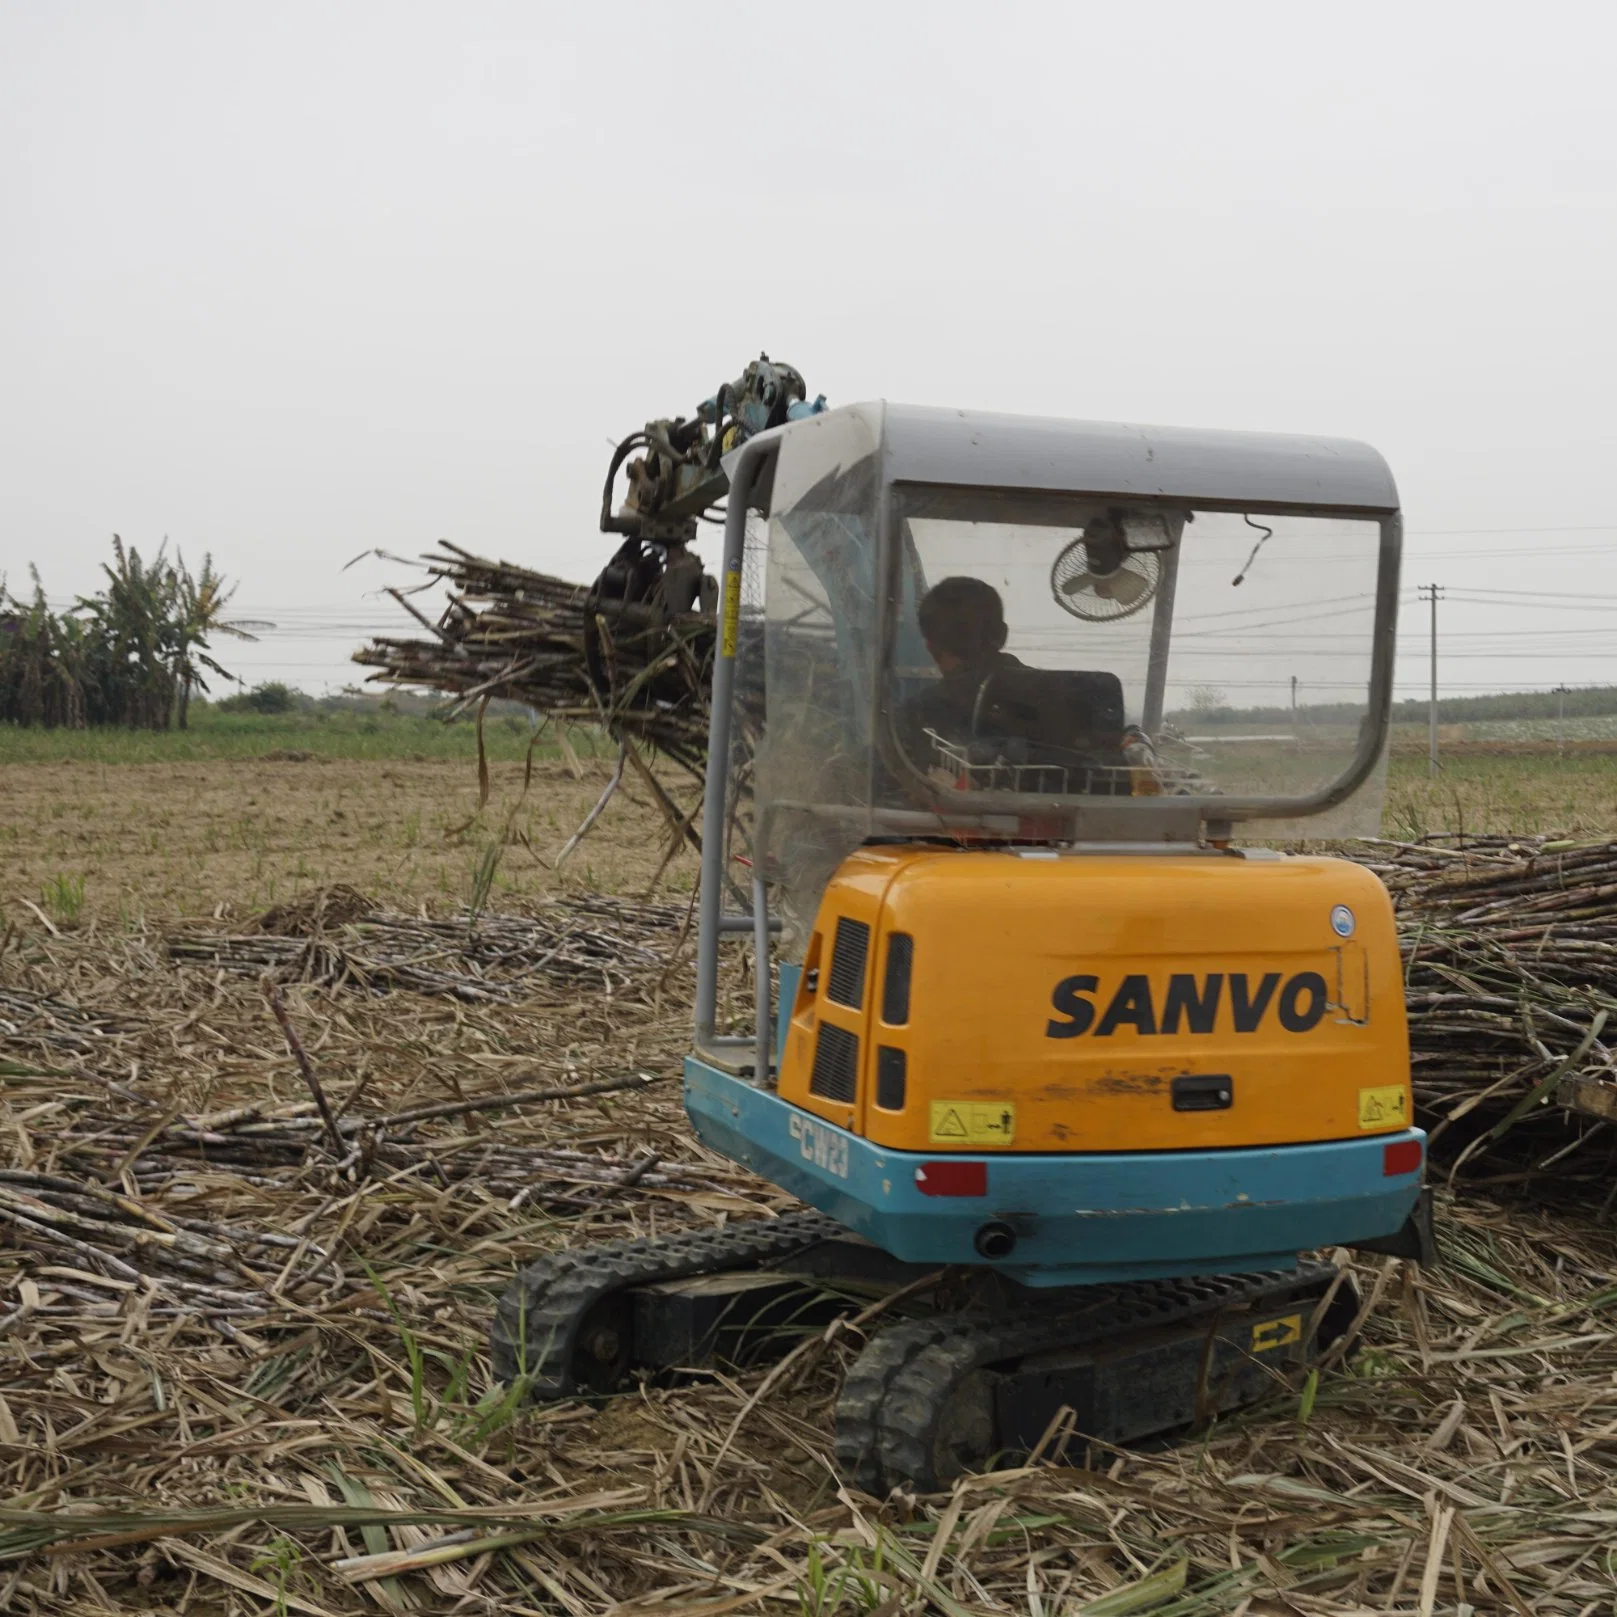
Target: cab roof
[{"x": 982, "y": 449}]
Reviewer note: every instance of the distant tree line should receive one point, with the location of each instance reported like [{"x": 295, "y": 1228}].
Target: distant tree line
[
  {"x": 1588, "y": 702},
  {"x": 130, "y": 656}
]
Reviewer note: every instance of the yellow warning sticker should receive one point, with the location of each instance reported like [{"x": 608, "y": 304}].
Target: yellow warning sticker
[
  {"x": 1277, "y": 1333},
  {"x": 957, "y": 1122},
  {"x": 1387, "y": 1107},
  {"x": 732, "y": 613}
]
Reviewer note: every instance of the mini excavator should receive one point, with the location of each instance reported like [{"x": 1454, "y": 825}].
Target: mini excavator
[{"x": 1061, "y": 1061}]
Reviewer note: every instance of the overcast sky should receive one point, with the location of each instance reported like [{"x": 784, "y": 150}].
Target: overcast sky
[{"x": 288, "y": 282}]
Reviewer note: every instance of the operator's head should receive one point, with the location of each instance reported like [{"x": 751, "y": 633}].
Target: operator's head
[{"x": 963, "y": 623}]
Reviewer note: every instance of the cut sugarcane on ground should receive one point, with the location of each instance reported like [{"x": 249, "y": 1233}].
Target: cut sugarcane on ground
[{"x": 242, "y": 1360}]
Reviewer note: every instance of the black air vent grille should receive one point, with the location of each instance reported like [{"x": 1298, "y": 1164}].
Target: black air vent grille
[
  {"x": 891, "y": 1076},
  {"x": 848, "y": 958},
  {"x": 895, "y": 990},
  {"x": 836, "y": 1064}
]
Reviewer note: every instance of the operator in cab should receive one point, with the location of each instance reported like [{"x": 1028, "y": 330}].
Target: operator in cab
[
  {"x": 963, "y": 624},
  {"x": 1040, "y": 730}
]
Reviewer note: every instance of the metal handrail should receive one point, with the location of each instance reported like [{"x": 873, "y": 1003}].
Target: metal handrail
[{"x": 745, "y": 470}]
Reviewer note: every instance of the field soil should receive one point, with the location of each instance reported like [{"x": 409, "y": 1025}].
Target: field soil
[
  {"x": 280, "y": 1372},
  {"x": 194, "y": 836},
  {"x": 236, "y": 836}
]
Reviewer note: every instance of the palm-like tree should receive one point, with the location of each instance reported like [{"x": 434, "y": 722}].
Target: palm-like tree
[
  {"x": 201, "y": 601},
  {"x": 131, "y": 655},
  {"x": 155, "y": 620},
  {"x": 42, "y": 662}
]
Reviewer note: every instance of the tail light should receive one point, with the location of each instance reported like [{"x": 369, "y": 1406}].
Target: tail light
[
  {"x": 952, "y": 1178},
  {"x": 1401, "y": 1157}
]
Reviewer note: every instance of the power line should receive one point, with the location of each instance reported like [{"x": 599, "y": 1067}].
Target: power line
[
  {"x": 1580, "y": 527},
  {"x": 1241, "y": 611},
  {"x": 1553, "y": 598}
]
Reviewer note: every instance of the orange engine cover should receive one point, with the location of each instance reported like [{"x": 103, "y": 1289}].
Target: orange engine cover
[{"x": 1030, "y": 1001}]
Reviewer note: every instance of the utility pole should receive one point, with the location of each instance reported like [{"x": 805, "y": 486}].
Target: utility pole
[
  {"x": 1293, "y": 707},
  {"x": 1560, "y": 720},
  {"x": 1431, "y": 592}
]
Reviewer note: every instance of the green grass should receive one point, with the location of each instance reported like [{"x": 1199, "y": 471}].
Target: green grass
[
  {"x": 1574, "y": 727},
  {"x": 63, "y": 896},
  {"x": 216, "y": 735},
  {"x": 1572, "y": 796}
]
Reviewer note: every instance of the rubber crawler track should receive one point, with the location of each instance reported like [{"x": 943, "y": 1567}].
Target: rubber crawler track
[
  {"x": 539, "y": 1317},
  {"x": 897, "y": 1390}
]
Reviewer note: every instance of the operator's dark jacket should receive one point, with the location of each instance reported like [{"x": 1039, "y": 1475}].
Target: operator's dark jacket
[{"x": 947, "y": 706}]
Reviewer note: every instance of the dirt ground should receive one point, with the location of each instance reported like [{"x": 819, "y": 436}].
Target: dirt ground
[
  {"x": 238, "y": 836},
  {"x": 289, "y": 1371},
  {"x": 230, "y": 837}
]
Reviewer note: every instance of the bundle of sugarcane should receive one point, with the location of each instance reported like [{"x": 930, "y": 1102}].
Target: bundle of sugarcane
[
  {"x": 574, "y": 656},
  {"x": 1510, "y": 949}
]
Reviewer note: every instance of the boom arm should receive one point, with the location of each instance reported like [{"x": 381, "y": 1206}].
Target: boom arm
[{"x": 679, "y": 476}]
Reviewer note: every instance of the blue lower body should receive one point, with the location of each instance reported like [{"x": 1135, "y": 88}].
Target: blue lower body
[{"x": 1078, "y": 1218}]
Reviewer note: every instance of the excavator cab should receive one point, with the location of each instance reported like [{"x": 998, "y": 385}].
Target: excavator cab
[{"x": 1005, "y": 724}]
